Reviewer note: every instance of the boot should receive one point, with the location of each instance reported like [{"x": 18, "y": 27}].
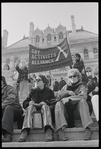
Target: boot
[
  {"x": 49, "y": 135},
  {"x": 23, "y": 136},
  {"x": 7, "y": 138},
  {"x": 88, "y": 133},
  {"x": 61, "y": 135}
]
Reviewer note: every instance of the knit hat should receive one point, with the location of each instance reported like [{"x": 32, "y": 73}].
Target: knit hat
[
  {"x": 44, "y": 79},
  {"x": 3, "y": 79},
  {"x": 78, "y": 55}
]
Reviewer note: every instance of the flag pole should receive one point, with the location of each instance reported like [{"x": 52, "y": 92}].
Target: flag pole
[{"x": 67, "y": 41}]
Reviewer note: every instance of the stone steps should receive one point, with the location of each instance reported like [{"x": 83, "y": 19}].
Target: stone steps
[
  {"x": 37, "y": 139},
  {"x": 78, "y": 143},
  {"x": 75, "y": 136},
  {"x": 72, "y": 134}
]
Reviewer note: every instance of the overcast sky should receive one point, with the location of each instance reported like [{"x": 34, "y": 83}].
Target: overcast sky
[{"x": 16, "y": 17}]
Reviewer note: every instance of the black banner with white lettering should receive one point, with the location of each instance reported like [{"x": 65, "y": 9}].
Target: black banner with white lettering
[{"x": 44, "y": 59}]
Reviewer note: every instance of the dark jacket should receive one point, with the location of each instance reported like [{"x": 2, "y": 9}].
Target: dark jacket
[
  {"x": 61, "y": 84},
  {"x": 79, "y": 65},
  {"x": 55, "y": 86},
  {"x": 38, "y": 95},
  {"x": 10, "y": 97},
  {"x": 23, "y": 73}
]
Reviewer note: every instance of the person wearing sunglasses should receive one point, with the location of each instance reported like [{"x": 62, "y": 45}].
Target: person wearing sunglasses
[
  {"x": 79, "y": 64},
  {"x": 39, "y": 99},
  {"x": 73, "y": 105}
]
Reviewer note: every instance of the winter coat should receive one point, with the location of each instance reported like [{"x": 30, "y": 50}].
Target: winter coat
[
  {"x": 79, "y": 89},
  {"x": 38, "y": 96},
  {"x": 79, "y": 65},
  {"x": 23, "y": 73},
  {"x": 55, "y": 86},
  {"x": 61, "y": 84},
  {"x": 10, "y": 97}
]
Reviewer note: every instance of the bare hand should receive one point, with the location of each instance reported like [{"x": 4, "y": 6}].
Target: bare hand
[
  {"x": 71, "y": 93},
  {"x": 96, "y": 89},
  {"x": 42, "y": 103}
]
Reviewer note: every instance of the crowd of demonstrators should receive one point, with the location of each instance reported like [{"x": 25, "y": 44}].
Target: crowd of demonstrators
[
  {"x": 73, "y": 96},
  {"x": 11, "y": 110},
  {"x": 55, "y": 85},
  {"x": 39, "y": 99},
  {"x": 72, "y": 101},
  {"x": 32, "y": 81},
  {"x": 6, "y": 67},
  {"x": 22, "y": 80},
  {"x": 61, "y": 83},
  {"x": 49, "y": 80}
]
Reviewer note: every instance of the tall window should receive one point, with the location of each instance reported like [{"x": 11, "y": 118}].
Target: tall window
[
  {"x": 42, "y": 40},
  {"x": 86, "y": 55},
  {"x": 60, "y": 36},
  {"x": 37, "y": 39},
  {"x": 54, "y": 38},
  {"x": 95, "y": 51},
  {"x": 49, "y": 38}
]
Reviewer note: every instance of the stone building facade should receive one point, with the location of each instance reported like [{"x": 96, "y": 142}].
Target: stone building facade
[{"x": 80, "y": 41}]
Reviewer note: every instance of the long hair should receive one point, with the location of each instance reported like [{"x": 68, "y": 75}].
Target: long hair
[{"x": 75, "y": 72}]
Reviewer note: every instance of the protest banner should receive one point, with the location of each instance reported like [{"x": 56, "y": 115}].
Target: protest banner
[{"x": 45, "y": 59}]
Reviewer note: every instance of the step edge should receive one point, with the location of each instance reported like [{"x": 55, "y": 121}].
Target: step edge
[
  {"x": 66, "y": 130},
  {"x": 53, "y": 143}
]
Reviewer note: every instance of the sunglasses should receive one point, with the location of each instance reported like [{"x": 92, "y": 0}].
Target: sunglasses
[
  {"x": 74, "y": 76},
  {"x": 38, "y": 79}
]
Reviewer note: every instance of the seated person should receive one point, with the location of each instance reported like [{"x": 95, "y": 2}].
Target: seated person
[
  {"x": 95, "y": 102},
  {"x": 73, "y": 96},
  {"x": 91, "y": 85},
  {"x": 11, "y": 110},
  {"x": 39, "y": 99}
]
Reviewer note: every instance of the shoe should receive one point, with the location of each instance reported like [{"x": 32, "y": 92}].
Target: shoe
[
  {"x": 7, "y": 138},
  {"x": 88, "y": 133},
  {"x": 23, "y": 136},
  {"x": 49, "y": 135},
  {"x": 61, "y": 135}
]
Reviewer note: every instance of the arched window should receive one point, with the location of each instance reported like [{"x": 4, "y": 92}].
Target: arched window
[
  {"x": 95, "y": 51},
  {"x": 86, "y": 55},
  {"x": 49, "y": 38},
  {"x": 54, "y": 38},
  {"x": 89, "y": 71},
  {"x": 60, "y": 36},
  {"x": 37, "y": 39},
  {"x": 42, "y": 40}
]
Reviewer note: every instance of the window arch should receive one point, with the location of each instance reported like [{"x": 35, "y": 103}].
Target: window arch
[
  {"x": 37, "y": 39},
  {"x": 95, "y": 51},
  {"x": 86, "y": 55},
  {"x": 60, "y": 36},
  {"x": 49, "y": 38}
]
